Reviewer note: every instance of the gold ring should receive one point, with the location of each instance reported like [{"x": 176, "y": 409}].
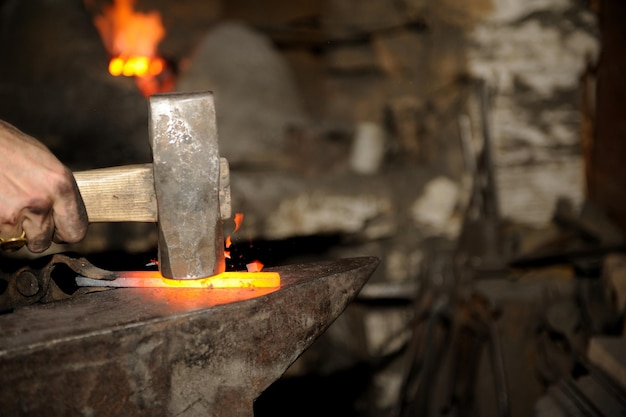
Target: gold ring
[{"x": 13, "y": 243}]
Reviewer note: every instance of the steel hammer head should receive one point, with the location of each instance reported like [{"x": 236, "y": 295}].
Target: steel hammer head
[{"x": 187, "y": 175}]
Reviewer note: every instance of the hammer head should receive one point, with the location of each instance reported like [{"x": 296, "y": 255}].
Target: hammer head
[{"x": 187, "y": 183}]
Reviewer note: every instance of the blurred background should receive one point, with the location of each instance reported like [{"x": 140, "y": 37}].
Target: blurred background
[{"x": 474, "y": 146}]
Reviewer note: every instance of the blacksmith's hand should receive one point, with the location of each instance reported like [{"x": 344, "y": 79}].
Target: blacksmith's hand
[{"x": 39, "y": 199}]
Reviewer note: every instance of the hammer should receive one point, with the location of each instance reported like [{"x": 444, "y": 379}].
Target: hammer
[{"x": 185, "y": 190}]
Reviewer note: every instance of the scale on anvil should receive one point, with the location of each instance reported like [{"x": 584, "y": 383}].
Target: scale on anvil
[{"x": 168, "y": 350}]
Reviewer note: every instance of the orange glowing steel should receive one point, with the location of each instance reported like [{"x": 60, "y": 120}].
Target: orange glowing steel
[{"x": 154, "y": 279}]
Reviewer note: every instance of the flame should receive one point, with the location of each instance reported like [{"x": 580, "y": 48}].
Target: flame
[
  {"x": 254, "y": 266},
  {"x": 131, "y": 38},
  {"x": 136, "y": 65},
  {"x": 238, "y": 220}
]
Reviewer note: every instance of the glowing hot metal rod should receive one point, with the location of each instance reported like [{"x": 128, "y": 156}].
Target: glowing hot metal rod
[{"x": 152, "y": 279}]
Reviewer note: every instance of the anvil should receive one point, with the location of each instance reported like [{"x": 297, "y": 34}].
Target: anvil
[
  {"x": 169, "y": 352},
  {"x": 166, "y": 351}
]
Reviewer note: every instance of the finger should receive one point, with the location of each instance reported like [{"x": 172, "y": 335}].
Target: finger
[
  {"x": 10, "y": 213},
  {"x": 38, "y": 229},
  {"x": 69, "y": 213},
  {"x": 9, "y": 231},
  {"x": 11, "y": 237}
]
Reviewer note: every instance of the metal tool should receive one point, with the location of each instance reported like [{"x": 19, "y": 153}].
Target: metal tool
[
  {"x": 169, "y": 352},
  {"x": 480, "y": 242},
  {"x": 34, "y": 283},
  {"x": 186, "y": 189}
]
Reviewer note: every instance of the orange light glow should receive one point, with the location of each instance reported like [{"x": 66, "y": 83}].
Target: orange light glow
[
  {"x": 154, "y": 279},
  {"x": 184, "y": 300},
  {"x": 131, "y": 38}
]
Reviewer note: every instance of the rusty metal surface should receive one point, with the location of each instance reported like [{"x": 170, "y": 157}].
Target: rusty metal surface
[
  {"x": 33, "y": 283},
  {"x": 166, "y": 352},
  {"x": 186, "y": 162}
]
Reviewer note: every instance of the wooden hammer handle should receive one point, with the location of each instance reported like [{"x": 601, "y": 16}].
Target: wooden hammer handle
[
  {"x": 119, "y": 194},
  {"x": 126, "y": 193}
]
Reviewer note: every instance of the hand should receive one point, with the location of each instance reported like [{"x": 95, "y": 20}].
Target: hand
[{"x": 38, "y": 194}]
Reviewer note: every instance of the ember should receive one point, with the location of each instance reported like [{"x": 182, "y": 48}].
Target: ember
[{"x": 254, "y": 266}]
